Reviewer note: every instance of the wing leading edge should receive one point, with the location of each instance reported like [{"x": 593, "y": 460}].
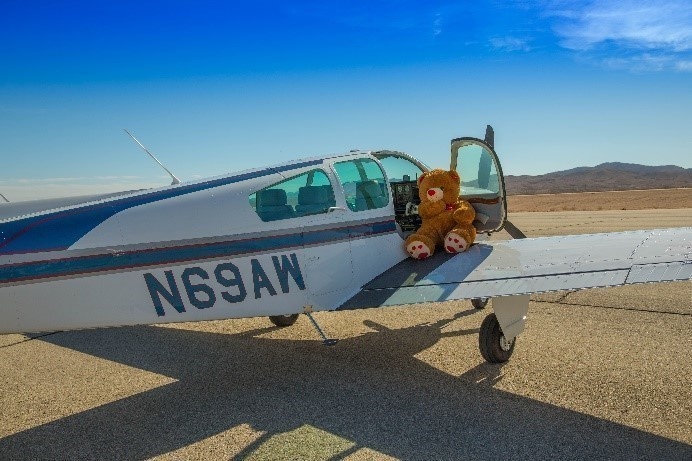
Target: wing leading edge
[{"x": 534, "y": 265}]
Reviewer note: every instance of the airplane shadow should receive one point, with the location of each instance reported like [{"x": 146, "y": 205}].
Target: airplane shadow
[{"x": 369, "y": 389}]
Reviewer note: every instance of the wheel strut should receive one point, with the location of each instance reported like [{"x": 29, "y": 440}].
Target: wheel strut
[{"x": 325, "y": 341}]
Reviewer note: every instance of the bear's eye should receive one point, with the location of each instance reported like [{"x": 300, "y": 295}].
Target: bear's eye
[{"x": 442, "y": 189}]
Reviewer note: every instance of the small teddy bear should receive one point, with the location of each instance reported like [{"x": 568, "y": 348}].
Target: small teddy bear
[{"x": 447, "y": 220}]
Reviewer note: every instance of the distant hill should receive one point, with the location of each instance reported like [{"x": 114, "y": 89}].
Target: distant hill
[{"x": 604, "y": 177}]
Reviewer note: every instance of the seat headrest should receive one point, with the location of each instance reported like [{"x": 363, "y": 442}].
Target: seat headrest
[
  {"x": 272, "y": 197},
  {"x": 309, "y": 195},
  {"x": 368, "y": 189}
]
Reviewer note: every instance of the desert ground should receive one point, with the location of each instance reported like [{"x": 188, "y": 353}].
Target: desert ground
[
  {"x": 598, "y": 374},
  {"x": 600, "y": 201}
]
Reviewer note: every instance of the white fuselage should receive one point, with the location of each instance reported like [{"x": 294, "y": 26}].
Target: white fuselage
[{"x": 193, "y": 251}]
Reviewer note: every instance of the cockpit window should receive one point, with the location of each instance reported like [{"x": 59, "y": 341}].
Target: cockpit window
[
  {"x": 307, "y": 194},
  {"x": 364, "y": 185}
]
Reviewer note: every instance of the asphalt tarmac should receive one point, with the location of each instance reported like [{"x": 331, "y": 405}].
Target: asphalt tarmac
[{"x": 598, "y": 374}]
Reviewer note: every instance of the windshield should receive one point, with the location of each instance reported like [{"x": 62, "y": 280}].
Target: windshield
[{"x": 397, "y": 167}]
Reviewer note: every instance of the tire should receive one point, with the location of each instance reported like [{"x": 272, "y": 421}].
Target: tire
[
  {"x": 492, "y": 343},
  {"x": 283, "y": 320},
  {"x": 479, "y": 303}
]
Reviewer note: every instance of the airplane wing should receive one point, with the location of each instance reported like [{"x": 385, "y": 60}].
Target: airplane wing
[{"x": 534, "y": 265}]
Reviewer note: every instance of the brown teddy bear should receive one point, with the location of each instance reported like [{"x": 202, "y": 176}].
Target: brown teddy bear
[{"x": 447, "y": 220}]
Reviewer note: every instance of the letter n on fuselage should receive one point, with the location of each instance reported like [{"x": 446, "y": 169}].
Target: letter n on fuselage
[{"x": 170, "y": 294}]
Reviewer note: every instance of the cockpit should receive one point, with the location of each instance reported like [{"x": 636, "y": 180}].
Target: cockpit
[
  {"x": 363, "y": 184},
  {"x": 481, "y": 183}
]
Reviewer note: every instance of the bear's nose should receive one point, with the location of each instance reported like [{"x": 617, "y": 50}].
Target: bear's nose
[{"x": 431, "y": 192}]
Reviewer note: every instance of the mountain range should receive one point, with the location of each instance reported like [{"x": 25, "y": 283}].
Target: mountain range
[{"x": 603, "y": 177}]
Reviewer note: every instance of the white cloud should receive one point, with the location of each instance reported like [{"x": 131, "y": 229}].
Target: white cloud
[
  {"x": 632, "y": 23},
  {"x": 510, "y": 44},
  {"x": 86, "y": 180},
  {"x": 651, "y": 35},
  {"x": 437, "y": 25},
  {"x": 644, "y": 62},
  {"x": 17, "y": 190},
  {"x": 685, "y": 66}
]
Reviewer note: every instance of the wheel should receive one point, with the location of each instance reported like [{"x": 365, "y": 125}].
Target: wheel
[
  {"x": 492, "y": 343},
  {"x": 479, "y": 303},
  {"x": 283, "y": 320}
]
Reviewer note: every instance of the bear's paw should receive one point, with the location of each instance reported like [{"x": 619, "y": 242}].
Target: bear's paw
[
  {"x": 454, "y": 243},
  {"x": 418, "y": 249}
]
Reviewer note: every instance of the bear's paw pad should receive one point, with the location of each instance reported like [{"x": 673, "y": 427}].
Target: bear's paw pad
[
  {"x": 454, "y": 243},
  {"x": 418, "y": 250}
]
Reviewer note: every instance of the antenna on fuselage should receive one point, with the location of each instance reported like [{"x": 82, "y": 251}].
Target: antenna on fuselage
[
  {"x": 4, "y": 198},
  {"x": 175, "y": 179}
]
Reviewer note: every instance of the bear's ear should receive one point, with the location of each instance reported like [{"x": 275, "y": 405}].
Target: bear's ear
[
  {"x": 420, "y": 178},
  {"x": 454, "y": 175}
]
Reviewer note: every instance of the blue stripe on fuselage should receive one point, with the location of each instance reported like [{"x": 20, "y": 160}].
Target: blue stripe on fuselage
[
  {"x": 59, "y": 230},
  {"x": 172, "y": 255}
]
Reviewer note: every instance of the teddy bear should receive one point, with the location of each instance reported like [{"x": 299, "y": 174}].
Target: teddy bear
[{"x": 447, "y": 220}]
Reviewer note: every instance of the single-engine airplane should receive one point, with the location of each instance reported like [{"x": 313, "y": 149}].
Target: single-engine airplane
[{"x": 311, "y": 235}]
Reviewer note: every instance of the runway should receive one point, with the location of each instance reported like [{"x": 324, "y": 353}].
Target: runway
[{"x": 598, "y": 374}]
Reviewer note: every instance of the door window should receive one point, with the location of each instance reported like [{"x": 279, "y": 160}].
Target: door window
[
  {"x": 481, "y": 182},
  {"x": 478, "y": 173}
]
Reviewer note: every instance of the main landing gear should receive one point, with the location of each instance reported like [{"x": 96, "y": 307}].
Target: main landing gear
[
  {"x": 495, "y": 348},
  {"x": 479, "y": 303},
  {"x": 283, "y": 320},
  {"x": 499, "y": 330},
  {"x": 496, "y": 338},
  {"x": 289, "y": 319}
]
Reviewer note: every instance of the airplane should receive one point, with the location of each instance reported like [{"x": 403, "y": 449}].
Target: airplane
[{"x": 317, "y": 234}]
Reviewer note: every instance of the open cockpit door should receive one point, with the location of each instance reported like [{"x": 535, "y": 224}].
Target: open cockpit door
[{"x": 482, "y": 183}]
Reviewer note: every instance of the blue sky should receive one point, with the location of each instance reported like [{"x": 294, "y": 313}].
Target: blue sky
[{"x": 212, "y": 87}]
